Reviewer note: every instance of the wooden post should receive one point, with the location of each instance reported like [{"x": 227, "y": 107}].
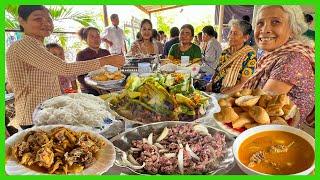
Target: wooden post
[
  {"x": 132, "y": 27},
  {"x": 221, "y": 16},
  {"x": 105, "y": 16}
]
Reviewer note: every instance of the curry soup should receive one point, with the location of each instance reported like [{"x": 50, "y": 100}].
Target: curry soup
[{"x": 276, "y": 152}]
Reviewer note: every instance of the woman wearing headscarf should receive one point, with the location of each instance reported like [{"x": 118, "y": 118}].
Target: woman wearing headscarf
[{"x": 287, "y": 66}]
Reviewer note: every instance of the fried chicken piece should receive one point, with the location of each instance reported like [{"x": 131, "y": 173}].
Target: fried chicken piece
[
  {"x": 79, "y": 156},
  {"x": 71, "y": 137},
  {"x": 85, "y": 141},
  {"x": 45, "y": 157},
  {"x": 55, "y": 166},
  {"x": 19, "y": 149},
  {"x": 58, "y": 134},
  {"x": 27, "y": 159},
  {"x": 37, "y": 137}
]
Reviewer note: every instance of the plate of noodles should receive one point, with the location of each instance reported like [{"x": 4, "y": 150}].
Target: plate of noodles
[{"x": 77, "y": 109}]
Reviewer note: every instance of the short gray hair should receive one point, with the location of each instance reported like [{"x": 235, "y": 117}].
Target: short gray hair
[
  {"x": 296, "y": 21},
  {"x": 245, "y": 26}
]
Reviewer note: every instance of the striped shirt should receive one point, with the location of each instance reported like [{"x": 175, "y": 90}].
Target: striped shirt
[{"x": 33, "y": 73}]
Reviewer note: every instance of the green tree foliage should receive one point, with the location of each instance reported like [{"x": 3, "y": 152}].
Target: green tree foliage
[
  {"x": 11, "y": 14},
  {"x": 164, "y": 23},
  {"x": 204, "y": 22},
  {"x": 58, "y": 13}
]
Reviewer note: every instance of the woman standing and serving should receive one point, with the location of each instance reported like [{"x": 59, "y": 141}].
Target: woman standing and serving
[
  {"x": 91, "y": 36},
  {"x": 33, "y": 71}
]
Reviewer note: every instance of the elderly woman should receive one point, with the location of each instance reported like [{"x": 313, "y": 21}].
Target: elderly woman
[
  {"x": 287, "y": 66},
  {"x": 211, "y": 50},
  {"x": 185, "y": 47},
  {"x": 33, "y": 71},
  {"x": 145, "y": 45},
  {"x": 237, "y": 62}
]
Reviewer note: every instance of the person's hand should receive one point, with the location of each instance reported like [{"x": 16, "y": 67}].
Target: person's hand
[
  {"x": 114, "y": 60},
  {"x": 7, "y": 134},
  {"x": 209, "y": 87},
  {"x": 109, "y": 43},
  {"x": 223, "y": 90}
]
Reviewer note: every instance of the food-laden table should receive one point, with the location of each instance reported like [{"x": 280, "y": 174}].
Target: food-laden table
[{"x": 185, "y": 80}]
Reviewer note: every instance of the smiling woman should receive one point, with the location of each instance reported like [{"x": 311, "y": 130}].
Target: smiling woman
[
  {"x": 145, "y": 45},
  {"x": 272, "y": 30},
  {"x": 33, "y": 71},
  {"x": 288, "y": 64},
  {"x": 91, "y": 36},
  {"x": 185, "y": 47}
]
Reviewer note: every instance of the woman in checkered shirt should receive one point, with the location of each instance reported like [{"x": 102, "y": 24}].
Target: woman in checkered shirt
[{"x": 33, "y": 71}]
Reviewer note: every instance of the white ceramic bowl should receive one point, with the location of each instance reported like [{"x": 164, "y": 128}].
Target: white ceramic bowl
[{"x": 252, "y": 131}]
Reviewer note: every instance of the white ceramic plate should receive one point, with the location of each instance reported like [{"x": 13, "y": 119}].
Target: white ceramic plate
[
  {"x": 273, "y": 127},
  {"x": 104, "y": 83},
  {"x": 105, "y": 157},
  {"x": 227, "y": 128},
  {"x": 233, "y": 131},
  {"x": 108, "y": 122}
]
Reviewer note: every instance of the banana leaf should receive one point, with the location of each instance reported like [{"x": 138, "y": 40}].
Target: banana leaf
[
  {"x": 181, "y": 99},
  {"x": 156, "y": 96},
  {"x": 133, "y": 83},
  {"x": 186, "y": 110}
]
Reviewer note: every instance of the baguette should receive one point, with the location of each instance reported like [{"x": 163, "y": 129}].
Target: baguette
[
  {"x": 289, "y": 111},
  {"x": 244, "y": 118},
  {"x": 226, "y": 115},
  {"x": 247, "y": 100},
  {"x": 259, "y": 114}
]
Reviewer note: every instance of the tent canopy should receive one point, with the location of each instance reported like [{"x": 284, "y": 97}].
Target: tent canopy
[{"x": 148, "y": 9}]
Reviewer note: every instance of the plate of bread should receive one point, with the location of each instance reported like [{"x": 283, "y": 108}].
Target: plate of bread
[{"x": 249, "y": 108}]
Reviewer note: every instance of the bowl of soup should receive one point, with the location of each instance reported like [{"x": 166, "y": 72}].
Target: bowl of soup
[{"x": 275, "y": 150}]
